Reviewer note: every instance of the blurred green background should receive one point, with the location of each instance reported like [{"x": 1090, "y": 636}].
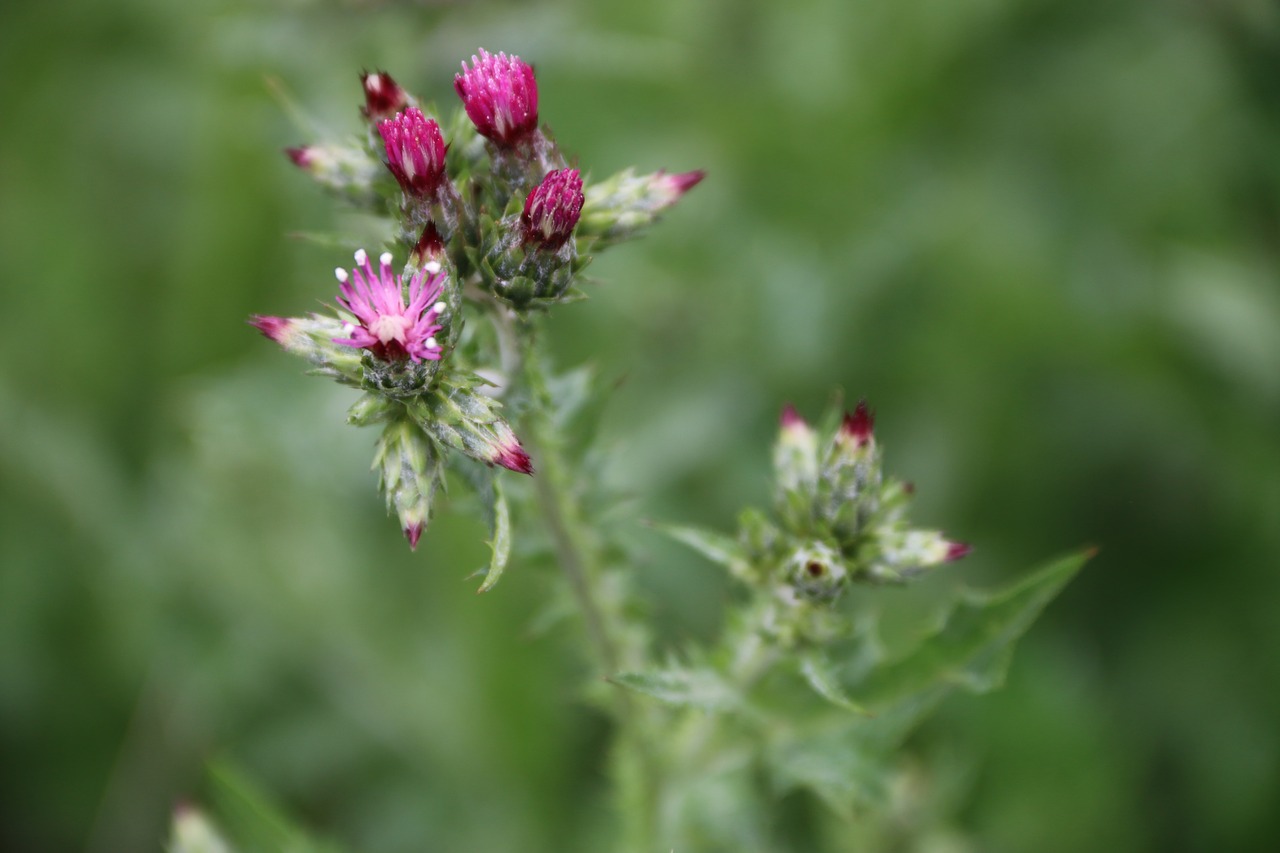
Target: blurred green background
[{"x": 1043, "y": 238}]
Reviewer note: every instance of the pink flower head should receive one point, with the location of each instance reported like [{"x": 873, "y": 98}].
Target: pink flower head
[
  {"x": 500, "y": 96},
  {"x": 552, "y": 209},
  {"x": 389, "y": 328},
  {"x": 415, "y": 151},
  {"x": 383, "y": 97}
]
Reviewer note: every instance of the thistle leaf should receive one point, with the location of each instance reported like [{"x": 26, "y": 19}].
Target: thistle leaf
[
  {"x": 692, "y": 688},
  {"x": 973, "y": 646}
]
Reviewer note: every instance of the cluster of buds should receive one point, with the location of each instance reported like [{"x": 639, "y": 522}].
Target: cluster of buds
[
  {"x": 839, "y": 520},
  {"x": 489, "y": 218}
]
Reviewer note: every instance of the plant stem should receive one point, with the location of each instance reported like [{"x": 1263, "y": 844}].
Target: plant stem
[{"x": 579, "y": 560}]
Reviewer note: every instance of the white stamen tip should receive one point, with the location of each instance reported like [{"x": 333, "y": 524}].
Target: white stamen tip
[
  {"x": 361, "y": 257},
  {"x": 432, "y": 267},
  {"x": 439, "y": 307},
  {"x": 432, "y": 344},
  {"x": 348, "y": 328},
  {"x": 340, "y": 274},
  {"x": 385, "y": 258}
]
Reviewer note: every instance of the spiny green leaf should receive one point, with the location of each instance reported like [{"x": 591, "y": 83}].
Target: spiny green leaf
[
  {"x": 817, "y": 673},
  {"x": 499, "y": 539},
  {"x": 831, "y": 763},
  {"x": 973, "y": 645},
  {"x": 716, "y": 547},
  {"x": 693, "y": 688}
]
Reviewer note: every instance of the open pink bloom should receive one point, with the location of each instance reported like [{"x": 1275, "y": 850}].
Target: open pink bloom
[
  {"x": 552, "y": 209},
  {"x": 415, "y": 151},
  {"x": 500, "y": 96},
  {"x": 389, "y": 328}
]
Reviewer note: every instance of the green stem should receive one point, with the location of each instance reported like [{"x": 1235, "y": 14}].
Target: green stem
[{"x": 578, "y": 557}]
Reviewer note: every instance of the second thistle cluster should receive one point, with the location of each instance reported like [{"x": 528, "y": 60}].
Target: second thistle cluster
[
  {"x": 483, "y": 216},
  {"x": 838, "y": 519}
]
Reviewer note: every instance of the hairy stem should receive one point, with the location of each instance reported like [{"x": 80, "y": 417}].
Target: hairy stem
[{"x": 579, "y": 559}]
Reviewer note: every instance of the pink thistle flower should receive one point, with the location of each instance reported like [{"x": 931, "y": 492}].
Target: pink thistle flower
[
  {"x": 500, "y": 96},
  {"x": 389, "y": 328},
  {"x": 383, "y": 97},
  {"x": 956, "y": 550},
  {"x": 552, "y": 209},
  {"x": 415, "y": 151}
]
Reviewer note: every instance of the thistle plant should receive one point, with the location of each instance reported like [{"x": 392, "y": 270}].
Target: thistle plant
[{"x": 487, "y": 227}]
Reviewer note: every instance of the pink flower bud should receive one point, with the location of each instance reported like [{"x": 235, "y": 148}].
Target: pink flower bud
[
  {"x": 513, "y": 458},
  {"x": 301, "y": 156},
  {"x": 275, "y": 328},
  {"x": 857, "y": 426},
  {"x": 956, "y": 550},
  {"x": 413, "y": 533},
  {"x": 552, "y": 209},
  {"x": 429, "y": 249},
  {"x": 383, "y": 97},
  {"x": 500, "y": 96},
  {"x": 791, "y": 419},
  {"x": 415, "y": 151},
  {"x": 672, "y": 187}
]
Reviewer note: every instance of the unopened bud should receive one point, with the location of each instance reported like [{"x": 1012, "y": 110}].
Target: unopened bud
[
  {"x": 345, "y": 170},
  {"x": 415, "y": 152},
  {"x": 816, "y": 571},
  {"x": 312, "y": 338},
  {"x": 383, "y": 97},
  {"x": 795, "y": 466},
  {"x": 622, "y": 206},
  {"x": 552, "y": 210},
  {"x": 903, "y": 554},
  {"x": 192, "y": 832},
  {"x": 462, "y": 418},
  {"x": 500, "y": 96},
  {"x": 410, "y": 470}
]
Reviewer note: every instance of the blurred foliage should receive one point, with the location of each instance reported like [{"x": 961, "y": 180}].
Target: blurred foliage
[{"x": 1041, "y": 237}]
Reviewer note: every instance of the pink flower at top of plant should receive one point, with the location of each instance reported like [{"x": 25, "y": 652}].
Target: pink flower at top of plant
[
  {"x": 415, "y": 151},
  {"x": 500, "y": 96},
  {"x": 552, "y": 209},
  {"x": 389, "y": 328}
]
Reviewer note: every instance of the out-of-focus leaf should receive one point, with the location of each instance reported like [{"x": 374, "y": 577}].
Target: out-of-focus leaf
[
  {"x": 716, "y": 547},
  {"x": 254, "y": 823},
  {"x": 817, "y": 672},
  {"x": 693, "y": 688},
  {"x": 973, "y": 646},
  {"x": 831, "y": 763}
]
